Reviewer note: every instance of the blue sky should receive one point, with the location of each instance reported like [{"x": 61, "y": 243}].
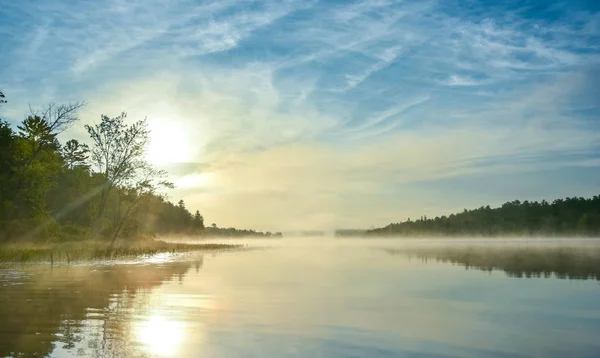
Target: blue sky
[{"x": 293, "y": 114}]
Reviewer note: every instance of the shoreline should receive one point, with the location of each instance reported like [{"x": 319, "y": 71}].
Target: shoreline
[{"x": 92, "y": 250}]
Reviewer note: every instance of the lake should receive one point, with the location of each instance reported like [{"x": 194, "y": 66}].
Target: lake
[{"x": 314, "y": 298}]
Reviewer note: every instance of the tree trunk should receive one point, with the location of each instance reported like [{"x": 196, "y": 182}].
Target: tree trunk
[
  {"x": 102, "y": 208},
  {"x": 120, "y": 226}
]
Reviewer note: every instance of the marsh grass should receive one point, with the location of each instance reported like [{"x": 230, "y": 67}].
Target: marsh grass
[{"x": 96, "y": 250}]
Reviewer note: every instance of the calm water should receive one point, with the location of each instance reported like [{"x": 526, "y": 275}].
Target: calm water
[{"x": 313, "y": 298}]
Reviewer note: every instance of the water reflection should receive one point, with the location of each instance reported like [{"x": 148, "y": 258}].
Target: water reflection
[
  {"x": 564, "y": 262},
  {"x": 307, "y": 299},
  {"x": 87, "y": 310},
  {"x": 159, "y": 335}
]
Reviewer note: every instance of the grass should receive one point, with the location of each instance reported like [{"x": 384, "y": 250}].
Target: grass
[{"x": 95, "y": 250}]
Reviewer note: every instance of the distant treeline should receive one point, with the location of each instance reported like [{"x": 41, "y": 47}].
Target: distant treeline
[
  {"x": 53, "y": 191},
  {"x": 232, "y": 232},
  {"x": 562, "y": 217},
  {"x": 349, "y": 232}
]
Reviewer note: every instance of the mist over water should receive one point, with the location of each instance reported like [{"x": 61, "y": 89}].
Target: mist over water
[{"x": 314, "y": 297}]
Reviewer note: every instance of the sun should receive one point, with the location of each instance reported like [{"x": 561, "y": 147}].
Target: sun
[{"x": 169, "y": 143}]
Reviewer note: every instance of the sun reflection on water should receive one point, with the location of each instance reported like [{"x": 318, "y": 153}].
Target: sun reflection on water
[
  {"x": 160, "y": 335},
  {"x": 167, "y": 329}
]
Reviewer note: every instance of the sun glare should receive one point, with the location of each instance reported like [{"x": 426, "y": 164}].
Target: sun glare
[
  {"x": 201, "y": 180},
  {"x": 169, "y": 143},
  {"x": 160, "y": 336}
]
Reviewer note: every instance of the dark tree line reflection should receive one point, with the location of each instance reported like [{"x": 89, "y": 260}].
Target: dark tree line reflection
[
  {"x": 516, "y": 261},
  {"x": 84, "y": 310}
]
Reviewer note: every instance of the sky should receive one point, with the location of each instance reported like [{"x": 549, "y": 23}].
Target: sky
[{"x": 293, "y": 115}]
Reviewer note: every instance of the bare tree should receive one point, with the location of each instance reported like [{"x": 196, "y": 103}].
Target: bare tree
[
  {"x": 41, "y": 127},
  {"x": 59, "y": 116},
  {"x": 118, "y": 152}
]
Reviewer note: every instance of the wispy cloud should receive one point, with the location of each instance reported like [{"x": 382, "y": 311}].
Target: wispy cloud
[
  {"x": 389, "y": 116},
  {"x": 457, "y": 80},
  {"x": 325, "y": 105},
  {"x": 88, "y": 34},
  {"x": 385, "y": 59}
]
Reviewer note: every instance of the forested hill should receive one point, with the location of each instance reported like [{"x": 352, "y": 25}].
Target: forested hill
[{"x": 562, "y": 217}]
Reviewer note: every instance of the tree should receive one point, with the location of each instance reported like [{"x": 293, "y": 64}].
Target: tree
[
  {"x": 198, "y": 221},
  {"x": 40, "y": 128},
  {"x": 35, "y": 161},
  {"x": 148, "y": 185},
  {"x": 50, "y": 191},
  {"x": 36, "y": 131},
  {"x": 570, "y": 216},
  {"x": 75, "y": 154},
  {"x": 118, "y": 153},
  {"x": 7, "y": 173},
  {"x": 2, "y": 98}
]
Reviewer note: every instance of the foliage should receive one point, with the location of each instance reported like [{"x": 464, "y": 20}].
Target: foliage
[
  {"x": 75, "y": 154},
  {"x": 50, "y": 192},
  {"x": 118, "y": 154},
  {"x": 562, "y": 217},
  {"x": 118, "y": 149}
]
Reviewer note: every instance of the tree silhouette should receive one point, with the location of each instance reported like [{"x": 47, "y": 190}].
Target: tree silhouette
[
  {"x": 198, "y": 221},
  {"x": 75, "y": 154},
  {"x": 562, "y": 217}
]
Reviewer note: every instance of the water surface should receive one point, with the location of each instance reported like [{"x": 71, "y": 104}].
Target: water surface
[{"x": 313, "y": 298}]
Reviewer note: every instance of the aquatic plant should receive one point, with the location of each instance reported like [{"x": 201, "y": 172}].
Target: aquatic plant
[{"x": 96, "y": 250}]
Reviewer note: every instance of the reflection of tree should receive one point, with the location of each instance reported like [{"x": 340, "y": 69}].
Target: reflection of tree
[
  {"x": 77, "y": 306},
  {"x": 562, "y": 262}
]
